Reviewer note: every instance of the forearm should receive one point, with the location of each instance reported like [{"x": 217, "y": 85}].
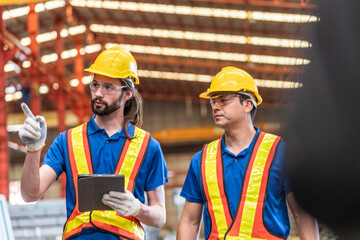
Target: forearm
[
  {"x": 187, "y": 230},
  {"x": 306, "y": 224},
  {"x": 30, "y": 177},
  {"x": 153, "y": 216},
  {"x": 190, "y": 220},
  {"x": 307, "y": 227}
]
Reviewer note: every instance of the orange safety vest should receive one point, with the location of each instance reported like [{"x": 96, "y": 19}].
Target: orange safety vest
[
  {"x": 248, "y": 221},
  {"x": 129, "y": 163}
]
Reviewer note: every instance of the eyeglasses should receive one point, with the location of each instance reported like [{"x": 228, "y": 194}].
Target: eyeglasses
[
  {"x": 223, "y": 99},
  {"x": 107, "y": 88}
]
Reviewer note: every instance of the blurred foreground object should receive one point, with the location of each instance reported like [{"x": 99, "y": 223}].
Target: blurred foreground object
[
  {"x": 323, "y": 154},
  {"x": 6, "y": 231}
]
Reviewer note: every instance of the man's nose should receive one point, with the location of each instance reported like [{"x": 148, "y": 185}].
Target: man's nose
[
  {"x": 215, "y": 104},
  {"x": 99, "y": 91}
]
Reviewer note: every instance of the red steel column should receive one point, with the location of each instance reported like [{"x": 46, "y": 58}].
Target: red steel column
[
  {"x": 79, "y": 70},
  {"x": 33, "y": 29},
  {"x": 4, "y": 158},
  {"x": 60, "y": 100}
]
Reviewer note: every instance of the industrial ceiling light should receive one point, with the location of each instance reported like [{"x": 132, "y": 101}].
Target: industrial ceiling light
[
  {"x": 11, "y": 67},
  {"x": 39, "y": 7},
  {"x": 74, "y": 82},
  {"x": 86, "y": 80},
  {"x": 26, "y": 64},
  {"x": 208, "y": 78},
  {"x": 199, "y": 36},
  {"x": 71, "y": 53},
  {"x": 166, "y": 9},
  {"x": 175, "y": 34},
  {"x": 226, "y": 56},
  {"x": 195, "y": 11},
  {"x": 13, "y": 96},
  {"x": 180, "y": 52},
  {"x": 43, "y": 89},
  {"x": 49, "y": 36}
]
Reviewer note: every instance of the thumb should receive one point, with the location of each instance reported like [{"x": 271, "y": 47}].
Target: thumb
[{"x": 41, "y": 121}]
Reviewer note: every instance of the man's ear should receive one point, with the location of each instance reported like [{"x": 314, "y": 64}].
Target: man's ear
[
  {"x": 249, "y": 105},
  {"x": 127, "y": 95}
]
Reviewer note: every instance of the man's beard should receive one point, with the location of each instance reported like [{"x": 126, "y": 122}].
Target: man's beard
[{"x": 108, "y": 109}]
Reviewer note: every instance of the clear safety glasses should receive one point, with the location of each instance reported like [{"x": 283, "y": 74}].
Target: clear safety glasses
[
  {"x": 224, "y": 99},
  {"x": 107, "y": 88}
]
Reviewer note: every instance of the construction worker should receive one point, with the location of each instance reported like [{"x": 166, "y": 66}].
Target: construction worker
[
  {"x": 239, "y": 179},
  {"x": 110, "y": 143}
]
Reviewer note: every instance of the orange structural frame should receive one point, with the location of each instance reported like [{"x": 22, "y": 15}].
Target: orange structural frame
[
  {"x": 13, "y": 2},
  {"x": 4, "y": 158}
]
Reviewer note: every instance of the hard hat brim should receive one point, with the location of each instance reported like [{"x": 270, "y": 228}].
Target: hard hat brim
[
  {"x": 204, "y": 95},
  {"x": 135, "y": 79}
]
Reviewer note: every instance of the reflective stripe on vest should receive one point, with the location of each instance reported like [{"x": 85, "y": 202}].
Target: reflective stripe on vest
[
  {"x": 248, "y": 222},
  {"x": 129, "y": 164}
]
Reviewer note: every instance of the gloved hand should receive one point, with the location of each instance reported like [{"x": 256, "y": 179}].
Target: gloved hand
[
  {"x": 33, "y": 132},
  {"x": 123, "y": 202}
]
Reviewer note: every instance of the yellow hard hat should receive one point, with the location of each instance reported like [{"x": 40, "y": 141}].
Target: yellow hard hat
[
  {"x": 232, "y": 79},
  {"x": 115, "y": 62}
]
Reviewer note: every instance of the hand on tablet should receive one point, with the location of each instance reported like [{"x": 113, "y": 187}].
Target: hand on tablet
[{"x": 123, "y": 202}]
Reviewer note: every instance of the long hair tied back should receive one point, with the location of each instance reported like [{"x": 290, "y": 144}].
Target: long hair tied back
[{"x": 133, "y": 111}]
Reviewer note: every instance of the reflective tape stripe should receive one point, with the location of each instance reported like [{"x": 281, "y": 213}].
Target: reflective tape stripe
[
  {"x": 131, "y": 155},
  {"x": 215, "y": 200},
  {"x": 77, "y": 221},
  {"x": 243, "y": 238},
  {"x": 110, "y": 217},
  {"x": 253, "y": 189},
  {"x": 78, "y": 149}
]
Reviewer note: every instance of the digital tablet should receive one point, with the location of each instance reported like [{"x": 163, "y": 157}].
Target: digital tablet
[{"x": 92, "y": 187}]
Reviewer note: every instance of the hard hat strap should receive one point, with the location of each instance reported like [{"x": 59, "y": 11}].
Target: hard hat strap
[
  {"x": 250, "y": 95},
  {"x": 128, "y": 82}
]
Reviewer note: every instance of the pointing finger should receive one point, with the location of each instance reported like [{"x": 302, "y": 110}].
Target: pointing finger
[{"x": 27, "y": 111}]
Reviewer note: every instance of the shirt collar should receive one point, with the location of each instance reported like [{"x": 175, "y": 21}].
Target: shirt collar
[
  {"x": 94, "y": 128},
  {"x": 243, "y": 152}
]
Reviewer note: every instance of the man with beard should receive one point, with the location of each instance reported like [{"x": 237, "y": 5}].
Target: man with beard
[{"x": 110, "y": 143}]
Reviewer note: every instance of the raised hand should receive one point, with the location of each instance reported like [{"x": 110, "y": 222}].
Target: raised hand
[{"x": 33, "y": 131}]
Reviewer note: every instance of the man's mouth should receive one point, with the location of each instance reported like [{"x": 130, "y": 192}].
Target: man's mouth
[{"x": 98, "y": 103}]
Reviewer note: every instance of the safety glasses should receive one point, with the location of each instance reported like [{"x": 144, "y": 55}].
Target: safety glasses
[
  {"x": 107, "y": 88},
  {"x": 222, "y": 99}
]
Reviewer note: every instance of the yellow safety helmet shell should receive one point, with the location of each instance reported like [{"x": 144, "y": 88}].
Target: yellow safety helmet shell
[
  {"x": 232, "y": 79},
  {"x": 115, "y": 62}
]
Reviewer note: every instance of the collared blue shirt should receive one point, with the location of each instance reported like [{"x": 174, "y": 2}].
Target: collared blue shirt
[
  {"x": 275, "y": 214},
  {"x": 105, "y": 152}
]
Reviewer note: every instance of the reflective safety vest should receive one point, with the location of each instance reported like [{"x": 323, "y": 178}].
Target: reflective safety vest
[
  {"x": 129, "y": 163},
  {"x": 248, "y": 222}
]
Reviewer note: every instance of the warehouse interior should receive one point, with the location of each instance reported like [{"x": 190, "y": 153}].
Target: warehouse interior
[{"x": 178, "y": 45}]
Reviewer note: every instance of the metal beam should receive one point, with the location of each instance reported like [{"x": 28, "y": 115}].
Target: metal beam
[
  {"x": 4, "y": 158},
  {"x": 61, "y": 95},
  {"x": 14, "y": 2},
  {"x": 33, "y": 29},
  {"x": 79, "y": 73},
  {"x": 52, "y": 77},
  {"x": 305, "y": 4},
  {"x": 218, "y": 47}
]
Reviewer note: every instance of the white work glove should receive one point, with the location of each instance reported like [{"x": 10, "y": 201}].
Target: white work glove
[
  {"x": 123, "y": 202},
  {"x": 33, "y": 132}
]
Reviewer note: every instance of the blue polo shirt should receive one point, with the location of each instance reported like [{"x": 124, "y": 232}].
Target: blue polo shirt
[
  {"x": 105, "y": 152},
  {"x": 275, "y": 214}
]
